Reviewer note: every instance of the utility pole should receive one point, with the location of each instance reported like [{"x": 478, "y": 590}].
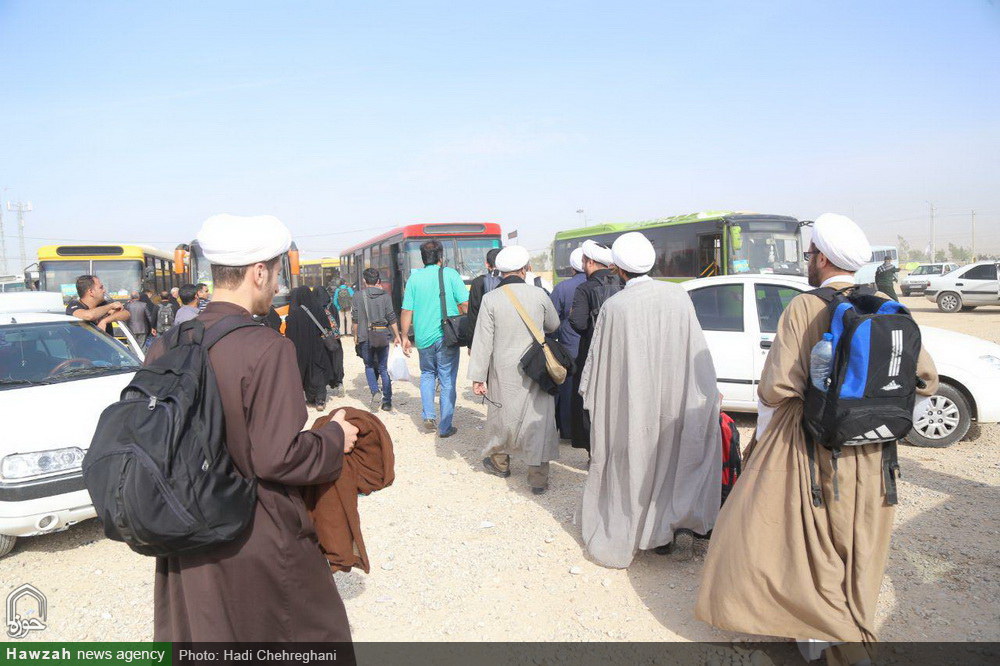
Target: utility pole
[
  {"x": 583, "y": 216},
  {"x": 3, "y": 239},
  {"x": 931, "y": 258},
  {"x": 973, "y": 235},
  {"x": 21, "y": 207}
]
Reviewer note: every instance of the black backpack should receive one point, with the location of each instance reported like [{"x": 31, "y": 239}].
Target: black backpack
[
  {"x": 609, "y": 286},
  {"x": 164, "y": 318},
  {"x": 158, "y": 470},
  {"x": 873, "y": 380},
  {"x": 490, "y": 282}
]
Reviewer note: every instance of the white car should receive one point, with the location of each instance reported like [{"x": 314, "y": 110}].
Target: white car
[
  {"x": 967, "y": 288},
  {"x": 57, "y": 374},
  {"x": 920, "y": 277},
  {"x": 739, "y": 315}
]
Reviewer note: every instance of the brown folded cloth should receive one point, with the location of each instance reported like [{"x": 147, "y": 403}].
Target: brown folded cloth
[{"x": 334, "y": 506}]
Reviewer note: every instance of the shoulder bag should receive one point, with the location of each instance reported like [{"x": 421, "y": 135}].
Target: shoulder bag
[
  {"x": 455, "y": 329},
  {"x": 329, "y": 337},
  {"x": 546, "y": 362}
]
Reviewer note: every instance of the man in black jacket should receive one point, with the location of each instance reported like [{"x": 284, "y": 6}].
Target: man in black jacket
[
  {"x": 373, "y": 305},
  {"x": 601, "y": 284},
  {"x": 480, "y": 286}
]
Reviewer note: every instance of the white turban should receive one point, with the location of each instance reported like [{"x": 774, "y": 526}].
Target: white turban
[
  {"x": 512, "y": 259},
  {"x": 633, "y": 253},
  {"x": 576, "y": 259},
  {"x": 234, "y": 240},
  {"x": 842, "y": 241},
  {"x": 598, "y": 253}
]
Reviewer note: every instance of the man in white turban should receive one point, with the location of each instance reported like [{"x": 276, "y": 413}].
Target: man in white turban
[
  {"x": 562, "y": 298},
  {"x": 601, "y": 284},
  {"x": 520, "y": 419},
  {"x": 272, "y": 583},
  {"x": 655, "y": 477},
  {"x": 778, "y": 564}
]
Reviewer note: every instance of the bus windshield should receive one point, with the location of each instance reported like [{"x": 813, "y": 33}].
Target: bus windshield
[
  {"x": 766, "y": 247},
  {"x": 465, "y": 255},
  {"x": 120, "y": 277}
]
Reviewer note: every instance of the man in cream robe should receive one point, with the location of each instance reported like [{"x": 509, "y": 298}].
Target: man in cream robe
[
  {"x": 778, "y": 565},
  {"x": 655, "y": 474},
  {"x": 520, "y": 418}
]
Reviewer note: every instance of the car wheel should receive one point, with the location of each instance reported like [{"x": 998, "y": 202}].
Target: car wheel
[
  {"x": 6, "y": 543},
  {"x": 947, "y": 419},
  {"x": 949, "y": 301}
]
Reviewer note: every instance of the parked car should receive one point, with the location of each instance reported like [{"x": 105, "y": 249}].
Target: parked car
[
  {"x": 966, "y": 288},
  {"x": 739, "y": 315},
  {"x": 918, "y": 279},
  {"x": 57, "y": 374}
]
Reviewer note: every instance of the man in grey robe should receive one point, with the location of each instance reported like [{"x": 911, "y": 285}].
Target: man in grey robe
[
  {"x": 520, "y": 419},
  {"x": 655, "y": 475}
]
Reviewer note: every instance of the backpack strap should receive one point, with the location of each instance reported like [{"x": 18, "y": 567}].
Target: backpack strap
[
  {"x": 814, "y": 490},
  {"x": 890, "y": 472},
  {"x": 222, "y": 328}
]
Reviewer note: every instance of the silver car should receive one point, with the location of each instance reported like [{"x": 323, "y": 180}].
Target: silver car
[
  {"x": 919, "y": 277},
  {"x": 966, "y": 288}
]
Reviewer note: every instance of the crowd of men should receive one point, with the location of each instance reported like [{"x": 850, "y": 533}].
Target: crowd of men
[{"x": 640, "y": 396}]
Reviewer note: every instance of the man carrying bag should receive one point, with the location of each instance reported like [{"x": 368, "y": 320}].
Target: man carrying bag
[
  {"x": 520, "y": 418},
  {"x": 375, "y": 331}
]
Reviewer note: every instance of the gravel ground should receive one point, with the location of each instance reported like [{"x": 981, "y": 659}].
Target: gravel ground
[{"x": 458, "y": 555}]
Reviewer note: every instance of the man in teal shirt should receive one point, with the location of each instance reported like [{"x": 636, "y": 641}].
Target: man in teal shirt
[{"x": 422, "y": 309}]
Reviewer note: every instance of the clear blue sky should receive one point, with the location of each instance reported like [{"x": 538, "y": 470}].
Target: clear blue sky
[{"x": 135, "y": 121}]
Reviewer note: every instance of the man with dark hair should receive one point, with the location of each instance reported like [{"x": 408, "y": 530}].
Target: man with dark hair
[
  {"x": 92, "y": 305},
  {"x": 188, "y": 295},
  {"x": 422, "y": 308},
  {"x": 374, "y": 316},
  {"x": 272, "y": 584},
  {"x": 203, "y": 296},
  {"x": 481, "y": 286},
  {"x": 139, "y": 321}
]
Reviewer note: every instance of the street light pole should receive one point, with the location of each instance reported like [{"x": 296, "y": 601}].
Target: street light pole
[
  {"x": 973, "y": 235},
  {"x": 583, "y": 216},
  {"x": 931, "y": 258}
]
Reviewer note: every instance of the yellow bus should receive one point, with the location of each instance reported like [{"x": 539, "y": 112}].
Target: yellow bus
[
  {"x": 122, "y": 268},
  {"x": 190, "y": 263},
  {"x": 320, "y": 272}
]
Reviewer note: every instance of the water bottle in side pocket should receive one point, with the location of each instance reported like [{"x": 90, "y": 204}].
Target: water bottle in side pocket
[{"x": 821, "y": 362}]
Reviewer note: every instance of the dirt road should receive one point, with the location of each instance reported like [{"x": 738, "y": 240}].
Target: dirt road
[{"x": 458, "y": 555}]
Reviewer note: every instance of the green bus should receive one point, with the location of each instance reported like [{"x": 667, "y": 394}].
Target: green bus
[{"x": 701, "y": 244}]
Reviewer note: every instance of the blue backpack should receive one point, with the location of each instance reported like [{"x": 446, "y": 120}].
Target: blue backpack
[{"x": 871, "y": 389}]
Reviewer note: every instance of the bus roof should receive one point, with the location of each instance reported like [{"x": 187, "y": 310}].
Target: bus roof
[
  {"x": 325, "y": 261},
  {"x": 98, "y": 252},
  {"x": 436, "y": 229},
  {"x": 687, "y": 218}
]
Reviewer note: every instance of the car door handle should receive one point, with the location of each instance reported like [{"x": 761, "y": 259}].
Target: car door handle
[
  {"x": 765, "y": 344},
  {"x": 959, "y": 284}
]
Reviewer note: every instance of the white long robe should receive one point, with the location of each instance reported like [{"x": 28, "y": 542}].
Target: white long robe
[
  {"x": 525, "y": 423},
  {"x": 655, "y": 442}
]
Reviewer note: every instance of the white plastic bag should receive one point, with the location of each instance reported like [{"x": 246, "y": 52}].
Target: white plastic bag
[{"x": 398, "y": 370}]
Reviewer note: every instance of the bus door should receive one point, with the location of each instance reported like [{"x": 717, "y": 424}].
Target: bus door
[
  {"x": 709, "y": 254},
  {"x": 396, "y": 278}
]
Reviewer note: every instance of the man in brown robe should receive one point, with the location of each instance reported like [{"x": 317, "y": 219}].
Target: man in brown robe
[
  {"x": 273, "y": 583},
  {"x": 778, "y": 565}
]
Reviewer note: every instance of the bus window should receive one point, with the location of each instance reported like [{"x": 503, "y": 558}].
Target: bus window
[
  {"x": 120, "y": 278},
  {"x": 61, "y": 276},
  {"x": 766, "y": 247},
  {"x": 467, "y": 256}
]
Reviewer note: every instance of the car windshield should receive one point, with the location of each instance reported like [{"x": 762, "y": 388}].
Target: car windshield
[
  {"x": 927, "y": 270},
  {"x": 767, "y": 247},
  {"x": 52, "y": 352}
]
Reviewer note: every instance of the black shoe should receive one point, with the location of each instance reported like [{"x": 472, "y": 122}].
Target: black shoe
[
  {"x": 538, "y": 491},
  {"x": 451, "y": 431},
  {"x": 387, "y": 406},
  {"x": 430, "y": 424},
  {"x": 376, "y": 398},
  {"x": 681, "y": 549},
  {"x": 491, "y": 468}
]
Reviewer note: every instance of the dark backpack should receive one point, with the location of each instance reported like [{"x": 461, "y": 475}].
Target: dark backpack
[
  {"x": 873, "y": 380},
  {"x": 609, "y": 285},
  {"x": 164, "y": 318},
  {"x": 344, "y": 299},
  {"x": 158, "y": 470},
  {"x": 732, "y": 462},
  {"x": 490, "y": 282}
]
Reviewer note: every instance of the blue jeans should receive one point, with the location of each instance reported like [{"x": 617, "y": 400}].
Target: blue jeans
[
  {"x": 439, "y": 364},
  {"x": 376, "y": 365}
]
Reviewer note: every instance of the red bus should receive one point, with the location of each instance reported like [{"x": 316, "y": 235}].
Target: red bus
[{"x": 395, "y": 253}]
